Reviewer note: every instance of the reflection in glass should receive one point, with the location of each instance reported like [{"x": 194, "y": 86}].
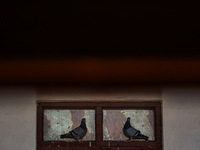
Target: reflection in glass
[
  {"x": 114, "y": 120},
  {"x": 59, "y": 121}
]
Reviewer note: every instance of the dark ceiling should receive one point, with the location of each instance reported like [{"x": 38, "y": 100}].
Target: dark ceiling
[
  {"x": 114, "y": 28},
  {"x": 162, "y": 37}
]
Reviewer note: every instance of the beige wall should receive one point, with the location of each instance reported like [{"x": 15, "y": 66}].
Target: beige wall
[{"x": 181, "y": 107}]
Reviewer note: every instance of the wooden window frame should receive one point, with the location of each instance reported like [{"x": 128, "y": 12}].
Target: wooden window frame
[{"x": 99, "y": 144}]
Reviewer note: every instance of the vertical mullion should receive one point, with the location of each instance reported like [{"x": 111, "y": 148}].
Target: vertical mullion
[{"x": 99, "y": 126}]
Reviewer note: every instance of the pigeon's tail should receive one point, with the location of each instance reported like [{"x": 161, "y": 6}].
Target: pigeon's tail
[
  {"x": 141, "y": 136},
  {"x": 68, "y": 135}
]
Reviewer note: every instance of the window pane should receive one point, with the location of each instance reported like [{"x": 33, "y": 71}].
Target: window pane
[
  {"x": 114, "y": 120},
  {"x": 59, "y": 121}
]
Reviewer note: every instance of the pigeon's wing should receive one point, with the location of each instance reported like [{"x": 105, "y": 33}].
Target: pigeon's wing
[
  {"x": 132, "y": 132},
  {"x": 78, "y": 133},
  {"x": 67, "y": 135}
]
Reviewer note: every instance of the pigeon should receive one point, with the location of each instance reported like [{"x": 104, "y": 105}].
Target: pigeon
[
  {"x": 132, "y": 133},
  {"x": 78, "y": 133}
]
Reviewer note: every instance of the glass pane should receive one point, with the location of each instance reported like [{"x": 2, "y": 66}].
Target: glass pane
[
  {"x": 114, "y": 120},
  {"x": 58, "y": 122}
]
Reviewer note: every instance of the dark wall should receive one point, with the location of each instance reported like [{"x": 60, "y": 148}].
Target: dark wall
[{"x": 50, "y": 28}]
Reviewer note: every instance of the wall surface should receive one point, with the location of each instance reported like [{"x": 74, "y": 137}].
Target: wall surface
[
  {"x": 17, "y": 119},
  {"x": 181, "y": 106},
  {"x": 181, "y": 121}
]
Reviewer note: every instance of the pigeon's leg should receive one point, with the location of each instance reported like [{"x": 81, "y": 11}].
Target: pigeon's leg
[
  {"x": 129, "y": 140},
  {"x": 80, "y": 141}
]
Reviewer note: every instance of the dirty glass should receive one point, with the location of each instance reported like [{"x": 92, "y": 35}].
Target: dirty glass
[
  {"x": 59, "y": 121},
  {"x": 114, "y": 120}
]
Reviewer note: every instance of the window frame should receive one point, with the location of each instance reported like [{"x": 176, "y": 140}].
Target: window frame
[{"x": 99, "y": 143}]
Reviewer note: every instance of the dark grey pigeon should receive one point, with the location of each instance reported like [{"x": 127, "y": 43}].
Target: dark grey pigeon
[
  {"x": 132, "y": 133},
  {"x": 78, "y": 133}
]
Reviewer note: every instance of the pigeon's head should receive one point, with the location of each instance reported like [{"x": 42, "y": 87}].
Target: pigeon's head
[
  {"x": 128, "y": 119},
  {"x": 83, "y": 120}
]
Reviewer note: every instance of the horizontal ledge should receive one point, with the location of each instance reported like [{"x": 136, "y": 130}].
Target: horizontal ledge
[{"x": 99, "y": 70}]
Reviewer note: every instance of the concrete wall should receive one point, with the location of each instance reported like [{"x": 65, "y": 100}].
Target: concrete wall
[{"x": 181, "y": 109}]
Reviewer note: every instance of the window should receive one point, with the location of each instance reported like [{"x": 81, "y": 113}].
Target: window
[{"x": 104, "y": 121}]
